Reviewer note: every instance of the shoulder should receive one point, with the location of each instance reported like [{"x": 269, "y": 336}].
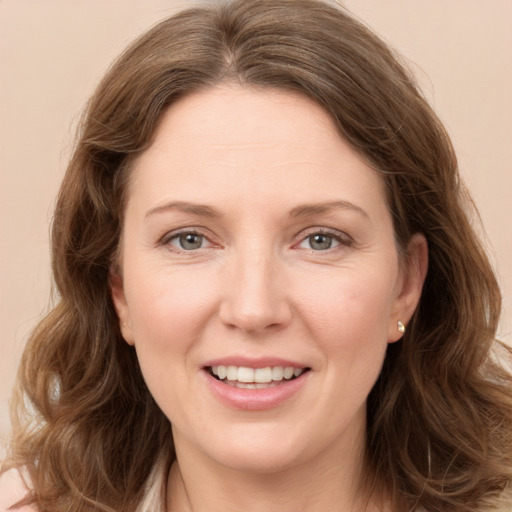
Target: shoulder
[{"x": 12, "y": 490}]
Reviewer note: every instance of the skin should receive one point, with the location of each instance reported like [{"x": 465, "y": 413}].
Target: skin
[{"x": 259, "y": 285}]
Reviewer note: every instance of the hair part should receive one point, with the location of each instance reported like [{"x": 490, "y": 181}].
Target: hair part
[{"x": 440, "y": 416}]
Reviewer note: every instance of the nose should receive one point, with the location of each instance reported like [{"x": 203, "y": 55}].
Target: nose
[{"x": 254, "y": 294}]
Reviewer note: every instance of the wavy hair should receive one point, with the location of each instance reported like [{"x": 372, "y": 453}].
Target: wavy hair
[{"x": 439, "y": 432}]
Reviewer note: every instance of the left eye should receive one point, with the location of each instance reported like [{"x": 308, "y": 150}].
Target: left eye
[
  {"x": 319, "y": 242},
  {"x": 188, "y": 241}
]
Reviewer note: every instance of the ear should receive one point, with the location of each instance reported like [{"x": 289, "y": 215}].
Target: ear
[
  {"x": 410, "y": 284},
  {"x": 121, "y": 305}
]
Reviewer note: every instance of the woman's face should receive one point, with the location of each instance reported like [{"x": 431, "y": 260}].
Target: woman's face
[{"x": 258, "y": 246}]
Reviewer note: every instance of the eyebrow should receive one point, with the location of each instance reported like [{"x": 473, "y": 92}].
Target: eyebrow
[
  {"x": 308, "y": 210},
  {"x": 200, "y": 210}
]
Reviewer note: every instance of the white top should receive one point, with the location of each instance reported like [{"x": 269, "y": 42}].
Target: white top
[{"x": 12, "y": 490}]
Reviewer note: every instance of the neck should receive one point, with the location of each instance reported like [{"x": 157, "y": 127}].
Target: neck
[{"x": 329, "y": 482}]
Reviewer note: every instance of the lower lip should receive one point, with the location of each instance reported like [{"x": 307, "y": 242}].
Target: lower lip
[{"x": 256, "y": 399}]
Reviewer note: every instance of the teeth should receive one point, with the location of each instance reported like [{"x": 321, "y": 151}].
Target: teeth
[
  {"x": 277, "y": 373},
  {"x": 251, "y": 385},
  {"x": 231, "y": 372},
  {"x": 222, "y": 372},
  {"x": 288, "y": 372},
  {"x": 263, "y": 375},
  {"x": 297, "y": 371},
  {"x": 245, "y": 375}
]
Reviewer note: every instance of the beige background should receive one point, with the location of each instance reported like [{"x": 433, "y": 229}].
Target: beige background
[{"x": 52, "y": 53}]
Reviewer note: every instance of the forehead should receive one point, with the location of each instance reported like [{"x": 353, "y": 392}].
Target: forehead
[
  {"x": 264, "y": 143},
  {"x": 249, "y": 109}
]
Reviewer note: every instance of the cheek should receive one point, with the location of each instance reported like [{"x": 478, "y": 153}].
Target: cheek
[
  {"x": 351, "y": 332},
  {"x": 350, "y": 307},
  {"x": 168, "y": 312},
  {"x": 167, "y": 307},
  {"x": 349, "y": 319}
]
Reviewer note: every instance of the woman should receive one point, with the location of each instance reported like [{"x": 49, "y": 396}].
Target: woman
[{"x": 271, "y": 294}]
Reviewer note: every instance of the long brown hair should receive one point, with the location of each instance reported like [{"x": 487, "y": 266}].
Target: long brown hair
[{"x": 440, "y": 416}]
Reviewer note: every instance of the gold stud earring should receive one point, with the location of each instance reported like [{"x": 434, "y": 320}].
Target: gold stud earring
[{"x": 401, "y": 327}]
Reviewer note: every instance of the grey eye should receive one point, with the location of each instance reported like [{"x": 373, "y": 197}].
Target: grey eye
[
  {"x": 320, "y": 242},
  {"x": 190, "y": 241}
]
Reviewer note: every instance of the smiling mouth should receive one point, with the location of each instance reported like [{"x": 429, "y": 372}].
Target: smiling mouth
[{"x": 255, "y": 378}]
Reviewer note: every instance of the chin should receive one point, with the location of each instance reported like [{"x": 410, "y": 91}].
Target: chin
[
  {"x": 262, "y": 454},
  {"x": 262, "y": 462}
]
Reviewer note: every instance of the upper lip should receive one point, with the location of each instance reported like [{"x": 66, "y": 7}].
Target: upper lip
[{"x": 253, "y": 362}]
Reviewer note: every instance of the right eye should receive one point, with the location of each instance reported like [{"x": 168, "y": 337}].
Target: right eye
[
  {"x": 187, "y": 241},
  {"x": 320, "y": 242}
]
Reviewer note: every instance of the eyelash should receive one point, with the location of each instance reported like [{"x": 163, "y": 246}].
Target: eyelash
[
  {"x": 342, "y": 239},
  {"x": 170, "y": 237}
]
